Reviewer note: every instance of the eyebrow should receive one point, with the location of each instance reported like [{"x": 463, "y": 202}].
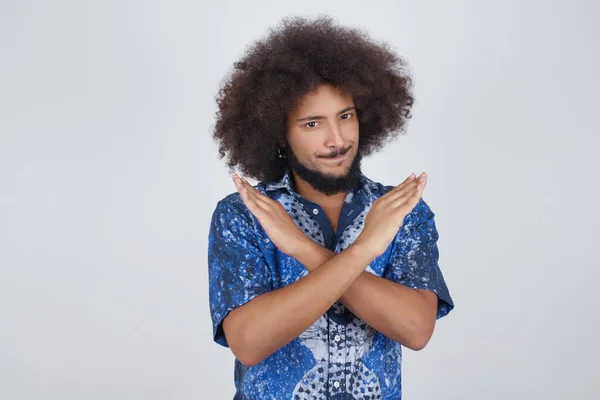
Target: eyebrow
[{"x": 322, "y": 117}]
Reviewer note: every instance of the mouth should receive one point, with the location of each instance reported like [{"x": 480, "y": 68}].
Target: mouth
[{"x": 336, "y": 159}]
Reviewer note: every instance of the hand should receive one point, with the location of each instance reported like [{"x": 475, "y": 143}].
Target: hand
[
  {"x": 276, "y": 222},
  {"x": 387, "y": 214}
]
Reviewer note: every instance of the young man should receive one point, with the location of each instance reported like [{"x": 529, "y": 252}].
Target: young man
[{"x": 318, "y": 275}]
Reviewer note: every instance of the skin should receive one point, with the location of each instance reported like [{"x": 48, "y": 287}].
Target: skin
[
  {"x": 270, "y": 321},
  {"x": 313, "y": 139}
]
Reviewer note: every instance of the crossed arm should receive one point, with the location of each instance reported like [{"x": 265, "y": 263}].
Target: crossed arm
[
  {"x": 271, "y": 320},
  {"x": 403, "y": 314}
]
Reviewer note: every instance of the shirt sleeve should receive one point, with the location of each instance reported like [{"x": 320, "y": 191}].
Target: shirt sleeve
[
  {"x": 237, "y": 270},
  {"x": 414, "y": 257}
]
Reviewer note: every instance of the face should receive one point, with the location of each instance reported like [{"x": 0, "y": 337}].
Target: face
[{"x": 322, "y": 140}]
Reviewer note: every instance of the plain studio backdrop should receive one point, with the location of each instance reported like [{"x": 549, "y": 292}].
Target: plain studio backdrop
[{"x": 109, "y": 177}]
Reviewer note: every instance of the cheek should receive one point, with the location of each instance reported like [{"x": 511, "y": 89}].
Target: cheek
[
  {"x": 351, "y": 134},
  {"x": 306, "y": 146}
]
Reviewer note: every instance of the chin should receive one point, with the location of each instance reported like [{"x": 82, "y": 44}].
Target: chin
[{"x": 336, "y": 171}]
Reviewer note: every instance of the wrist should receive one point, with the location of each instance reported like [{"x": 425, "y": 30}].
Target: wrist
[
  {"x": 362, "y": 249},
  {"x": 302, "y": 246}
]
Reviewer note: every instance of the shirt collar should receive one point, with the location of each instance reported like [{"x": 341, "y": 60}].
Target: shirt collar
[{"x": 285, "y": 182}]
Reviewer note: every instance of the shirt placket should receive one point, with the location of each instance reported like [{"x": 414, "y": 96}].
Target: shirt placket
[
  {"x": 337, "y": 360},
  {"x": 338, "y": 369}
]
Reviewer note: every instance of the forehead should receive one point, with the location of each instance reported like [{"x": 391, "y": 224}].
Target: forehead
[{"x": 323, "y": 98}]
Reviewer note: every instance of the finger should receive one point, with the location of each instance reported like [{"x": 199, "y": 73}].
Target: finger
[
  {"x": 251, "y": 188},
  {"x": 402, "y": 191},
  {"x": 262, "y": 200},
  {"x": 411, "y": 178},
  {"x": 413, "y": 183},
  {"x": 414, "y": 186},
  {"x": 248, "y": 199},
  {"x": 414, "y": 199},
  {"x": 257, "y": 206},
  {"x": 410, "y": 197},
  {"x": 244, "y": 183}
]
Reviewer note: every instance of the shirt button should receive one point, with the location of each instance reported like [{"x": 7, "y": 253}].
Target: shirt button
[
  {"x": 337, "y": 338},
  {"x": 315, "y": 211},
  {"x": 336, "y": 384}
]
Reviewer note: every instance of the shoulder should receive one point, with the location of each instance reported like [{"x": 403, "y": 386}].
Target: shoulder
[
  {"x": 232, "y": 201},
  {"x": 232, "y": 208},
  {"x": 234, "y": 225}
]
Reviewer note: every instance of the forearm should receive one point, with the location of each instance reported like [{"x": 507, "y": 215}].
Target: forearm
[
  {"x": 270, "y": 321},
  {"x": 397, "y": 311}
]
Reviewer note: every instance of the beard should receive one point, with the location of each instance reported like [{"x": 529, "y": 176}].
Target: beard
[{"x": 324, "y": 183}]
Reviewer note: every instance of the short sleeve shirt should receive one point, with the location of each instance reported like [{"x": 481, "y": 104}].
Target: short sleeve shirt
[{"x": 339, "y": 356}]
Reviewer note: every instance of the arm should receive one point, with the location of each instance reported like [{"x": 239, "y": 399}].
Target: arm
[
  {"x": 381, "y": 225},
  {"x": 401, "y": 313},
  {"x": 271, "y": 320}
]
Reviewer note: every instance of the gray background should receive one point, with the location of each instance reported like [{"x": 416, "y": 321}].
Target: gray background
[{"x": 109, "y": 177}]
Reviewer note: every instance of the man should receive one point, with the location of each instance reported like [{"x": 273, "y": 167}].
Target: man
[{"x": 318, "y": 275}]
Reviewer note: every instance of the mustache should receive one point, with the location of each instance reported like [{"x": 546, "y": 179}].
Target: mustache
[{"x": 336, "y": 153}]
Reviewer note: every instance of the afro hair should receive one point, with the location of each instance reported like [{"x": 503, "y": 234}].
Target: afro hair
[{"x": 297, "y": 56}]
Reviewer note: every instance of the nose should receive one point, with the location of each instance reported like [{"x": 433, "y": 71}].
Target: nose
[{"x": 334, "y": 137}]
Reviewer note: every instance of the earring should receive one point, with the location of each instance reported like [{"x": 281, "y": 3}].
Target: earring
[{"x": 280, "y": 153}]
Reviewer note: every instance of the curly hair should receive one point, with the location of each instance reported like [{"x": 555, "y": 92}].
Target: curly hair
[{"x": 276, "y": 72}]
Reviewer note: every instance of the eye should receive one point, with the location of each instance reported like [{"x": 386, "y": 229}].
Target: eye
[
  {"x": 311, "y": 122},
  {"x": 348, "y": 114}
]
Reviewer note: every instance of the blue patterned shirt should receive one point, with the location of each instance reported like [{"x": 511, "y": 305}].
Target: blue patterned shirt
[{"x": 339, "y": 357}]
